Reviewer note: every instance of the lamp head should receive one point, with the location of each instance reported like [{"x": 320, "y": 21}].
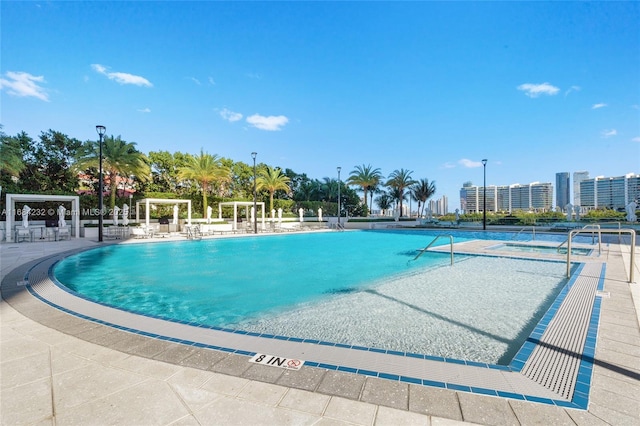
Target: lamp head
[
  {"x": 101, "y": 130},
  {"x": 339, "y": 168},
  {"x": 253, "y": 155},
  {"x": 484, "y": 162}
]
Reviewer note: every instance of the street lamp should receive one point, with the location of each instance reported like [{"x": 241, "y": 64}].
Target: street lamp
[
  {"x": 255, "y": 208},
  {"x": 339, "y": 168},
  {"x": 484, "y": 197},
  {"x": 101, "y": 130}
]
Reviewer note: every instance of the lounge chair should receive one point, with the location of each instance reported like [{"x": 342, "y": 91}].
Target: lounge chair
[{"x": 141, "y": 232}]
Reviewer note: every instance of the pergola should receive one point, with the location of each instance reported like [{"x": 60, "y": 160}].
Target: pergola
[
  {"x": 150, "y": 201},
  {"x": 235, "y": 205},
  {"x": 12, "y": 199}
]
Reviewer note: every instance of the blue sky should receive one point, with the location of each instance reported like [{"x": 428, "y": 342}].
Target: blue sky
[{"x": 433, "y": 87}]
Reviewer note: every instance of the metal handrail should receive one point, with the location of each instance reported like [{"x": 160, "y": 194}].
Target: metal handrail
[
  {"x": 432, "y": 242},
  {"x": 533, "y": 229},
  {"x": 586, "y": 228},
  {"x": 606, "y": 231}
]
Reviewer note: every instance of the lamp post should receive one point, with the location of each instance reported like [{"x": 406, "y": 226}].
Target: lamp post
[
  {"x": 484, "y": 197},
  {"x": 255, "y": 208},
  {"x": 339, "y": 168},
  {"x": 101, "y": 130}
]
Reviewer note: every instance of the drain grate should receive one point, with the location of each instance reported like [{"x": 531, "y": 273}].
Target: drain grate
[{"x": 555, "y": 360}]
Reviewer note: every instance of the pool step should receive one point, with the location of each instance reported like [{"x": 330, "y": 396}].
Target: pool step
[{"x": 555, "y": 361}]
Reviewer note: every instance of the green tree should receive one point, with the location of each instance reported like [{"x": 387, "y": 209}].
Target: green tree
[
  {"x": 205, "y": 169},
  {"x": 399, "y": 180},
  {"x": 10, "y": 155},
  {"x": 421, "y": 192},
  {"x": 164, "y": 170},
  {"x": 366, "y": 178},
  {"x": 120, "y": 160},
  {"x": 384, "y": 201},
  {"x": 271, "y": 179}
]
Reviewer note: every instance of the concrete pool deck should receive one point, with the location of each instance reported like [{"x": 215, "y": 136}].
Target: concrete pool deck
[{"x": 89, "y": 373}]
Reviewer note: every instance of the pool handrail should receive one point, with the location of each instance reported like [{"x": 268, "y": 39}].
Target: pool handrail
[
  {"x": 533, "y": 228},
  {"x": 586, "y": 227},
  {"x": 632, "y": 232},
  {"x": 432, "y": 242}
]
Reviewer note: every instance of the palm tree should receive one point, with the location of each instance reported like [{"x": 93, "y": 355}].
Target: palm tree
[
  {"x": 422, "y": 191},
  {"x": 399, "y": 180},
  {"x": 366, "y": 178},
  {"x": 119, "y": 159},
  {"x": 384, "y": 201},
  {"x": 272, "y": 180},
  {"x": 204, "y": 169}
]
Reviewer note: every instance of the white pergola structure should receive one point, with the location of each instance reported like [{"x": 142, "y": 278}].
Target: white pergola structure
[
  {"x": 12, "y": 199},
  {"x": 151, "y": 201},
  {"x": 235, "y": 205}
]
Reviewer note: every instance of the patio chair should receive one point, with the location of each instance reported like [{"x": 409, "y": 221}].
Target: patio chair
[
  {"x": 140, "y": 232},
  {"x": 23, "y": 233},
  {"x": 63, "y": 232}
]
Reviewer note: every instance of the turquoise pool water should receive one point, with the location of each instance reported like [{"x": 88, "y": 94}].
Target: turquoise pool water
[
  {"x": 219, "y": 282},
  {"x": 357, "y": 288}
]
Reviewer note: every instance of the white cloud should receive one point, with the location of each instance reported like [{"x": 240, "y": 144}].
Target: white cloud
[
  {"x": 572, "y": 89},
  {"x": 230, "y": 115},
  {"x": 636, "y": 139},
  {"x": 470, "y": 163},
  {"x": 535, "y": 90},
  {"x": 144, "y": 110},
  {"x": 24, "y": 84},
  {"x": 195, "y": 80},
  {"x": 271, "y": 122},
  {"x": 448, "y": 165},
  {"x": 212, "y": 81},
  {"x": 600, "y": 105},
  {"x": 608, "y": 133},
  {"x": 122, "y": 77}
]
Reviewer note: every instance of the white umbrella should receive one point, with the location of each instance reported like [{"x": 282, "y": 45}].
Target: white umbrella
[
  {"x": 279, "y": 215},
  {"x": 320, "y": 214},
  {"x": 116, "y": 210},
  {"x": 25, "y": 215},
  {"x": 61, "y": 212},
  {"x": 125, "y": 215},
  {"x": 175, "y": 214},
  {"x": 209, "y": 210},
  {"x": 301, "y": 213}
]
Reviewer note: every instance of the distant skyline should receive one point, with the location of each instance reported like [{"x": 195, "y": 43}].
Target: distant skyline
[{"x": 536, "y": 88}]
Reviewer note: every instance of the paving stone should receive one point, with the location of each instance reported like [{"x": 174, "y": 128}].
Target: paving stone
[
  {"x": 386, "y": 392},
  {"x": 308, "y": 402},
  {"x": 232, "y": 364},
  {"x": 434, "y": 402},
  {"x": 529, "y": 413},
  {"x": 175, "y": 353},
  {"x": 307, "y": 378},
  {"x": 263, "y": 373},
  {"x": 203, "y": 359},
  {"x": 392, "y": 417},
  {"x": 265, "y": 393},
  {"x": 350, "y": 411},
  {"x": 127, "y": 342},
  {"x": 626, "y": 405},
  {"x": 612, "y": 416},
  {"x": 486, "y": 410},
  {"x": 342, "y": 384},
  {"x": 27, "y": 404},
  {"x": 150, "y": 348}
]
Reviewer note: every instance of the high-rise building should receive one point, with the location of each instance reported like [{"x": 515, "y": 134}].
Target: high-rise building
[
  {"x": 439, "y": 207},
  {"x": 562, "y": 189},
  {"x": 609, "y": 192},
  {"x": 577, "y": 178},
  {"x": 534, "y": 196}
]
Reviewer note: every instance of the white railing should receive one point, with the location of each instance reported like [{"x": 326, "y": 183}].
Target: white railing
[
  {"x": 605, "y": 231},
  {"x": 432, "y": 242}
]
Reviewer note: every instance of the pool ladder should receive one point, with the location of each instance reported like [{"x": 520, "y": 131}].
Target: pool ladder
[
  {"x": 431, "y": 243},
  {"x": 587, "y": 229},
  {"x": 533, "y": 229}
]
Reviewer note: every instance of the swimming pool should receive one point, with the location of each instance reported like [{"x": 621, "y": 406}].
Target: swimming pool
[{"x": 350, "y": 287}]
